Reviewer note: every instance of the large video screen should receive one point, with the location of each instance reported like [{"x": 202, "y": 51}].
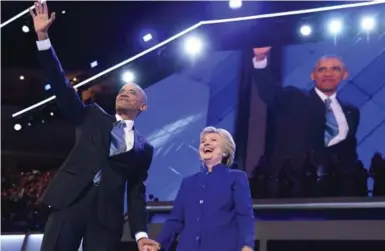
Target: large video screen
[
  {"x": 309, "y": 147},
  {"x": 180, "y": 106}
]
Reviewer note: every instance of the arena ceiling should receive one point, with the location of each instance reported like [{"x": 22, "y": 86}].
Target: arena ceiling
[{"x": 106, "y": 32}]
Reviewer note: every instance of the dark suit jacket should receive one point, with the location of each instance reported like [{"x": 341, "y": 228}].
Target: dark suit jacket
[
  {"x": 91, "y": 154},
  {"x": 212, "y": 211},
  {"x": 300, "y": 125}
]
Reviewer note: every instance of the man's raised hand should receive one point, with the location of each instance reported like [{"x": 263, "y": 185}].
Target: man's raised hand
[
  {"x": 41, "y": 19},
  {"x": 261, "y": 53}
]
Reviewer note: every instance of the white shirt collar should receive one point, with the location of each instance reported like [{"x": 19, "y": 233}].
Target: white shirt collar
[
  {"x": 129, "y": 123},
  {"x": 323, "y": 96}
]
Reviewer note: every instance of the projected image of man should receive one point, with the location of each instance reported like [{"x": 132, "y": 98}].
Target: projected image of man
[{"x": 313, "y": 124}]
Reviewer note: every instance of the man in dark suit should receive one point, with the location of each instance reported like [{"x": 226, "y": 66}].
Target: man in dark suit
[
  {"x": 87, "y": 194},
  {"x": 310, "y": 123}
]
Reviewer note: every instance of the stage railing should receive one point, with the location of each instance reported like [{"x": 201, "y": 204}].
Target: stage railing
[
  {"x": 312, "y": 230},
  {"x": 266, "y": 230},
  {"x": 300, "y": 204}
]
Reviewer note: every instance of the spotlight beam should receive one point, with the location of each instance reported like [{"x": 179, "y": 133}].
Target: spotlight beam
[
  {"x": 18, "y": 15},
  {"x": 112, "y": 68},
  {"x": 218, "y": 21},
  {"x": 293, "y": 12}
]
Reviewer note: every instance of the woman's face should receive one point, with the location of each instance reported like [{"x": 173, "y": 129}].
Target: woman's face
[{"x": 210, "y": 149}]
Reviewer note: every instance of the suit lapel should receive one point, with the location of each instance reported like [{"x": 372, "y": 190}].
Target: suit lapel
[
  {"x": 138, "y": 141},
  {"x": 111, "y": 120},
  {"x": 347, "y": 113},
  {"x": 317, "y": 118},
  {"x": 318, "y": 108},
  {"x": 318, "y": 103}
]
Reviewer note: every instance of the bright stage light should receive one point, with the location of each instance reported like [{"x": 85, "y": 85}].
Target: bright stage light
[
  {"x": 368, "y": 23},
  {"x": 128, "y": 77},
  {"x": 21, "y": 77},
  {"x": 335, "y": 27},
  {"x": 178, "y": 35},
  {"x": 147, "y": 37},
  {"x": 17, "y": 127},
  {"x": 193, "y": 45},
  {"x": 305, "y": 30},
  {"x": 235, "y": 4},
  {"x": 94, "y": 64},
  {"x": 25, "y": 29}
]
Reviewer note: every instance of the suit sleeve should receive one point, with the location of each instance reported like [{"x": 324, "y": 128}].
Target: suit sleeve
[
  {"x": 136, "y": 199},
  {"x": 66, "y": 97},
  {"x": 353, "y": 144},
  {"x": 244, "y": 209},
  {"x": 175, "y": 221},
  {"x": 270, "y": 90},
  {"x": 268, "y": 87}
]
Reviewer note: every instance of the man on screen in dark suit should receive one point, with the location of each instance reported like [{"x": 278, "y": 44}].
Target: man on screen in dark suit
[
  {"x": 310, "y": 123},
  {"x": 87, "y": 194}
]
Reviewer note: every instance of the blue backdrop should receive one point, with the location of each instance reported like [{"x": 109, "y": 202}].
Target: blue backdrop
[
  {"x": 365, "y": 87},
  {"x": 180, "y": 106}
]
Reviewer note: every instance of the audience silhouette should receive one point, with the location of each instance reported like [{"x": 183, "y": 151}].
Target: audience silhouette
[{"x": 311, "y": 185}]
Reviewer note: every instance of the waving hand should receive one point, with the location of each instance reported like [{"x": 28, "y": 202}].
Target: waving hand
[{"x": 41, "y": 19}]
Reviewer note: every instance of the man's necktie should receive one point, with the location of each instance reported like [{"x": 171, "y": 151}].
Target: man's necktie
[
  {"x": 118, "y": 139},
  {"x": 331, "y": 129},
  {"x": 118, "y": 144}
]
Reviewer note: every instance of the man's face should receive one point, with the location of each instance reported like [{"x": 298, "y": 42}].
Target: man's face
[
  {"x": 328, "y": 73},
  {"x": 130, "y": 98}
]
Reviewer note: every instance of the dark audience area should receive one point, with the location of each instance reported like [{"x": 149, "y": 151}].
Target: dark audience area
[
  {"x": 20, "y": 193},
  {"x": 21, "y": 190},
  {"x": 312, "y": 186}
]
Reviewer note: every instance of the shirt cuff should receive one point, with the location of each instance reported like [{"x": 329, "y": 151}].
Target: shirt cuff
[
  {"x": 260, "y": 64},
  {"x": 141, "y": 235},
  {"x": 43, "y": 45}
]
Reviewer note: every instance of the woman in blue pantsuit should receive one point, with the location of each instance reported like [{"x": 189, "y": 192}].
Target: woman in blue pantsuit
[{"x": 213, "y": 209}]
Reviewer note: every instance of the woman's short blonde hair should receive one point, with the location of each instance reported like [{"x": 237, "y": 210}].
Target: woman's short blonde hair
[{"x": 228, "y": 144}]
